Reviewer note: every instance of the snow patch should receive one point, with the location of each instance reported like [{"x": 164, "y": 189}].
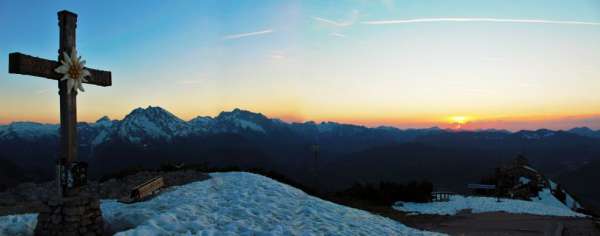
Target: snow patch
[
  {"x": 16, "y": 225},
  {"x": 546, "y": 197},
  {"x": 552, "y": 185},
  {"x": 244, "y": 124},
  {"x": 100, "y": 138},
  {"x": 571, "y": 203},
  {"x": 3, "y": 130},
  {"x": 524, "y": 180},
  {"x": 543, "y": 206},
  {"x": 529, "y": 168}
]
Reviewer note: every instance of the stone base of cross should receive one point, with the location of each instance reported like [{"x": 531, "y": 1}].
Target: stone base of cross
[
  {"x": 79, "y": 215},
  {"x": 70, "y": 212}
]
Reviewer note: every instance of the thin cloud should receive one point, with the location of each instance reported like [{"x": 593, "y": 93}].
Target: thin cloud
[
  {"x": 494, "y": 20},
  {"x": 338, "y": 35},
  {"x": 527, "y": 85},
  {"x": 332, "y": 22},
  {"x": 493, "y": 58},
  {"x": 479, "y": 91},
  {"x": 243, "y": 35},
  {"x": 277, "y": 55},
  {"x": 190, "y": 82}
]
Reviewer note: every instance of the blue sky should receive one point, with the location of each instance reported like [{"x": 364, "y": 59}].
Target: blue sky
[{"x": 350, "y": 61}]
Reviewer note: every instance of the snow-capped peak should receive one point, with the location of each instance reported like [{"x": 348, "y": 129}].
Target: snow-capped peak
[
  {"x": 201, "y": 121},
  {"x": 103, "y": 119},
  {"x": 586, "y": 132},
  {"x": 152, "y": 122},
  {"x": 538, "y": 134},
  {"x": 104, "y": 122},
  {"x": 581, "y": 129},
  {"x": 326, "y": 126},
  {"x": 241, "y": 114},
  {"x": 28, "y": 130},
  {"x": 240, "y": 119}
]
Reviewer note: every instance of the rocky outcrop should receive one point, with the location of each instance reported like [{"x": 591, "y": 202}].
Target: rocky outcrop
[
  {"x": 30, "y": 197},
  {"x": 118, "y": 188},
  {"x": 518, "y": 180}
]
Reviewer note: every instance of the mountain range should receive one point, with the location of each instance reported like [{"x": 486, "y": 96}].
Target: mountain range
[
  {"x": 155, "y": 124},
  {"x": 149, "y": 137}
]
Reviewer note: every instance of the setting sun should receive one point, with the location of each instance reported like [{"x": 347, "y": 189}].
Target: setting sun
[{"x": 459, "y": 120}]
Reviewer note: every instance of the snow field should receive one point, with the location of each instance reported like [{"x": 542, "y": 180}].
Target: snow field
[
  {"x": 233, "y": 203},
  {"x": 246, "y": 204}
]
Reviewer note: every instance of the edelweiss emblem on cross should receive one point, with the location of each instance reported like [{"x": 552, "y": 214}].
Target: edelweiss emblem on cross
[{"x": 73, "y": 71}]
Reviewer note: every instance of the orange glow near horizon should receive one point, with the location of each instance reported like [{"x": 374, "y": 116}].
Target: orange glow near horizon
[{"x": 462, "y": 122}]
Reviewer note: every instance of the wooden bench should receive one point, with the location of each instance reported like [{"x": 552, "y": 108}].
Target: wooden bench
[{"x": 144, "y": 190}]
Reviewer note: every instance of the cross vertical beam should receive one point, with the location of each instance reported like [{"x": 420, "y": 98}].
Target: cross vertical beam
[
  {"x": 71, "y": 175},
  {"x": 67, "y": 22}
]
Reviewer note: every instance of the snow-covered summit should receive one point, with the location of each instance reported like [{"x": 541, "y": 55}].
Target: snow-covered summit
[
  {"x": 104, "y": 122},
  {"x": 240, "y": 120},
  {"x": 585, "y": 131},
  {"x": 28, "y": 130},
  {"x": 201, "y": 121},
  {"x": 337, "y": 129},
  {"x": 152, "y": 123},
  {"x": 234, "y": 203},
  {"x": 538, "y": 134},
  {"x": 325, "y": 127}
]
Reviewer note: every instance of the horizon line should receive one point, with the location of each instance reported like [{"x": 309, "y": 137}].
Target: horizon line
[{"x": 371, "y": 124}]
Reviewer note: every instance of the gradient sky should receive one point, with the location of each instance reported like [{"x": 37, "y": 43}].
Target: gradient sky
[{"x": 501, "y": 64}]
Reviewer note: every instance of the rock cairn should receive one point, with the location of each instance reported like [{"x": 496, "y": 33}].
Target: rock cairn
[{"x": 78, "y": 215}]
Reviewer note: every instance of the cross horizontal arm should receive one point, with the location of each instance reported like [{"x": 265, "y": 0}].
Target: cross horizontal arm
[{"x": 19, "y": 63}]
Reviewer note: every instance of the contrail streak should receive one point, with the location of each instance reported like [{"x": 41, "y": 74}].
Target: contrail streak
[
  {"x": 237, "y": 36},
  {"x": 495, "y": 20},
  {"x": 332, "y": 22}
]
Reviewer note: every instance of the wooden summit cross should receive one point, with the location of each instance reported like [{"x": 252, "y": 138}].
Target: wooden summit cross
[{"x": 28, "y": 65}]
